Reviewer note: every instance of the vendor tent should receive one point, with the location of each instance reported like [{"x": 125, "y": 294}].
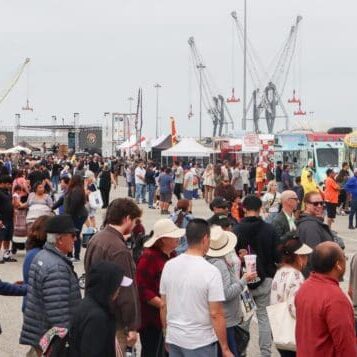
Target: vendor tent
[{"x": 188, "y": 147}]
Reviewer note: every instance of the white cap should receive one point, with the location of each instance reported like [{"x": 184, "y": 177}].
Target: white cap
[{"x": 303, "y": 250}]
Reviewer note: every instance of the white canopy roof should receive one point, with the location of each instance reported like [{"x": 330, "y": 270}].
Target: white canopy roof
[
  {"x": 17, "y": 150},
  {"x": 188, "y": 147}
]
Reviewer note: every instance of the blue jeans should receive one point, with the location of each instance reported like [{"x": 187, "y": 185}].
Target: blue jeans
[
  {"x": 139, "y": 192},
  {"x": 205, "y": 351},
  {"x": 353, "y": 212},
  {"x": 151, "y": 190},
  {"x": 232, "y": 342},
  {"x": 55, "y": 181},
  {"x": 78, "y": 223}
]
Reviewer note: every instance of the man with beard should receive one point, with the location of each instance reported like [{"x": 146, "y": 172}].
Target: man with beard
[{"x": 110, "y": 245}]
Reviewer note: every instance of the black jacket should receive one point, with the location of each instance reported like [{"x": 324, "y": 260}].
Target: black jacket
[
  {"x": 312, "y": 231},
  {"x": 259, "y": 237},
  {"x": 74, "y": 203},
  {"x": 280, "y": 224},
  {"x": 93, "y": 326}
]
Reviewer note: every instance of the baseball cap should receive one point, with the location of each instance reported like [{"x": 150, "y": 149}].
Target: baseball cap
[{"x": 219, "y": 202}]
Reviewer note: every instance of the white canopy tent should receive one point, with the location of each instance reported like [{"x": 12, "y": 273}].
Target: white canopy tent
[
  {"x": 17, "y": 150},
  {"x": 188, "y": 147}
]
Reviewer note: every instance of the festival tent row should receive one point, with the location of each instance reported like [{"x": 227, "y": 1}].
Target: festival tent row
[{"x": 188, "y": 147}]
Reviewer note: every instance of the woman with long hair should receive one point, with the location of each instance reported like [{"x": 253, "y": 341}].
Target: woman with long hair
[
  {"x": 74, "y": 205},
  {"x": 209, "y": 183},
  {"x": 271, "y": 201},
  {"x": 106, "y": 179}
]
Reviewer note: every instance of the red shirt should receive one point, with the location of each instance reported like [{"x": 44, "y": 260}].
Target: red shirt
[
  {"x": 324, "y": 319},
  {"x": 148, "y": 275}
]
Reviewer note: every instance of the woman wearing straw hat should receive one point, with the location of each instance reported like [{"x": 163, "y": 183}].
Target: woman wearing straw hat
[
  {"x": 222, "y": 244},
  {"x": 160, "y": 247}
]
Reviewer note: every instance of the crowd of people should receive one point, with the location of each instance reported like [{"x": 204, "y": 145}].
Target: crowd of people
[{"x": 191, "y": 286}]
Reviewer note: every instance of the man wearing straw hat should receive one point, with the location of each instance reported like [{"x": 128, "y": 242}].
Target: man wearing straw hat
[
  {"x": 160, "y": 247},
  {"x": 192, "y": 294}
]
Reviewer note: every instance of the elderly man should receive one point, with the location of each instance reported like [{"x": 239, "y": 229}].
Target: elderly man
[
  {"x": 53, "y": 290},
  {"x": 284, "y": 222},
  {"x": 311, "y": 227},
  {"x": 324, "y": 315}
]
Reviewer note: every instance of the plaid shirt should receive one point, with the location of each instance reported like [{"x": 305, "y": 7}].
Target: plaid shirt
[{"x": 148, "y": 275}]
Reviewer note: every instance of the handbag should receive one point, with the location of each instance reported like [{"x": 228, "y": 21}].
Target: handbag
[
  {"x": 95, "y": 199},
  {"x": 242, "y": 337},
  {"x": 282, "y": 326}
]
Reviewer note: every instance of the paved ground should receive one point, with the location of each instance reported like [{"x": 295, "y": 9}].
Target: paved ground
[{"x": 10, "y": 307}]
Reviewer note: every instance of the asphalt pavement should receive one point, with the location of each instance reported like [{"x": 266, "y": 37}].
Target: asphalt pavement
[{"x": 10, "y": 307}]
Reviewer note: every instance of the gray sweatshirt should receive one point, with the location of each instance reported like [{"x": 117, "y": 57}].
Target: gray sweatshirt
[{"x": 232, "y": 289}]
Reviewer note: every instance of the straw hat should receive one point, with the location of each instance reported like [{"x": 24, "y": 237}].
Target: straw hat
[
  {"x": 221, "y": 242},
  {"x": 164, "y": 228}
]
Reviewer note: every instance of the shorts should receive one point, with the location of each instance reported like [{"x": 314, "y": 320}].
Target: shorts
[
  {"x": 165, "y": 197},
  {"x": 6, "y": 234},
  {"x": 188, "y": 195},
  {"x": 331, "y": 209},
  {"x": 92, "y": 212}
]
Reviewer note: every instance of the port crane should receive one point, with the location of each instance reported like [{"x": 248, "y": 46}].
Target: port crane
[
  {"x": 215, "y": 104},
  {"x": 7, "y": 90},
  {"x": 269, "y": 88}
]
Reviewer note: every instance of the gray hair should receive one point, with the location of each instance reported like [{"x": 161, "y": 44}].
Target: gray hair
[{"x": 52, "y": 238}]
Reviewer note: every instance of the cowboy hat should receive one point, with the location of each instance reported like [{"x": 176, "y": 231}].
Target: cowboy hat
[
  {"x": 164, "y": 228},
  {"x": 221, "y": 242}
]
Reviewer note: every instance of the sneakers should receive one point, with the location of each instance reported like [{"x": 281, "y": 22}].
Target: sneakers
[{"x": 8, "y": 257}]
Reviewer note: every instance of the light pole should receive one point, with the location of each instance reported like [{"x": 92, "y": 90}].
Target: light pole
[
  {"x": 157, "y": 86},
  {"x": 75, "y": 122},
  {"x": 54, "y": 131},
  {"x": 244, "y": 119},
  {"x": 200, "y": 68},
  {"x": 129, "y": 118},
  {"x": 17, "y": 127}
]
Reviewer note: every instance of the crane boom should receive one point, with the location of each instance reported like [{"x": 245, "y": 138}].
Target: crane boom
[
  {"x": 13, "y": 82},
  {"x": 214, "y": 104}
]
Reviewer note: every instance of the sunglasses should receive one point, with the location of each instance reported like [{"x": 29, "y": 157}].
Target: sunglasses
[{"x": 317, "y": 203}]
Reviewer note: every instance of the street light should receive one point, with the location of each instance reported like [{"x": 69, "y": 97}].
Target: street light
[
  {"x": 200, "y": 68},
  {"x": 75, "y": 122},
  {"x": 244, "y": 120},
  {"x": 157, "y": 86},
  {"x": 129, "y": 118}
]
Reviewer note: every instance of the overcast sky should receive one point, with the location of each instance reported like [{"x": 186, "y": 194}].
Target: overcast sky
[{"x": 90, "y": 56}]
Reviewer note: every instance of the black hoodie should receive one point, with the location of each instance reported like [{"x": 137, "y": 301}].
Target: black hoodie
[
  {"x": 93, "y": 326},
  {"x": 259, "y": 237}
]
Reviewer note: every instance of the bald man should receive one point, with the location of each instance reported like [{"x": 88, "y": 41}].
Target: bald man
[
  {"x": 324, "y": 315},
  {"x": 284, "y": 221}
]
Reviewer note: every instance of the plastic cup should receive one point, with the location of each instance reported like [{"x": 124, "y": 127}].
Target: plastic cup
[{"x": 250, "y": 263}]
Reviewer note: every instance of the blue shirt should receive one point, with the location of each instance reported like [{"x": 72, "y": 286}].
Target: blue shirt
[
  {"x": 165, "y": 182},
  {"x": 351, "y": 187}
]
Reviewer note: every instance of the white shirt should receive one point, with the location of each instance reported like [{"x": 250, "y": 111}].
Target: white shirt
[
  {"x": 189, "y": 284},
  {"x": 140, "y": 172},
  {"x": 286, "y": 283},
  {"x": 189, "y": 179},
  {"x": 291, "y": 221},
  {"x": 179, "y": 175}
]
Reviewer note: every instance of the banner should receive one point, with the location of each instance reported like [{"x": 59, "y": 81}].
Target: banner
[
  {"x": 173, "y": 131},
  {"x": 251, "y": 143},
  {"x": 90, "y": 139},
  {"x": 6, "y": 140}
]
